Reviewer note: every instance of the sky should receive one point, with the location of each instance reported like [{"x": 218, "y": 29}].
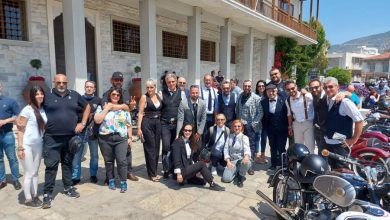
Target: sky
[{"x": 345, "y": 20}]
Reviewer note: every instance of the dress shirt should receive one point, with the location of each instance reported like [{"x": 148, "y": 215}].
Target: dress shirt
[
  {"x": 272, "y": 105},
  {"x": 226, "y": 99},
  {"x": 221, "y": 142},
  {"x": 205, "y": 96},
  {"x": 297, "y": 105}
]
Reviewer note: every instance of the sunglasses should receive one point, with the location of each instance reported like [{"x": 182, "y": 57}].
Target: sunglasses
[
  {"x": 115, "y": 94},
  {"x": 328, "y": 87},
  {"x": 237, "y": 126},
  {"x": 290, "y": 89},
  {"x": 59, "y": 83},
  {"x": 314, "y": 88},
  {"x": 187, "y": 130},
  {"x": 260, "y": 86}
]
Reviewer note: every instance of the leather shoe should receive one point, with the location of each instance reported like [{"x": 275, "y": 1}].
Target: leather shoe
[
  {"x": 251, "y": 172},
  {"x": 196, "y": 181},
  {"x": 132, "y": 177},
  {"x": 17, "y": 185}
]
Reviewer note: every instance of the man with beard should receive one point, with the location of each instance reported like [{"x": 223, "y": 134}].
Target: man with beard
[
  {"x": 227, "y": 103},
  {"x": 276, "y": 79},
  {"x": 250, "y": 112},
  {"x": 181, "y": 83}
]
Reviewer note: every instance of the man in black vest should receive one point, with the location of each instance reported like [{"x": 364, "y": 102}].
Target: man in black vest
[
  {"x": 340, "y": 118},
  {"x": 227, "y": 103},
  {"x": 275, "y": 122},
  {"x": 171, "y": 98},
  {"x": 320, "y": 112}
]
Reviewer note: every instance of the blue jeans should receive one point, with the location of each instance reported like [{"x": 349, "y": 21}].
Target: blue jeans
[
  {"x": 7, "y": 145},
  {"x": 261, "y": 141},
  {"x": 93, "y": 164}
]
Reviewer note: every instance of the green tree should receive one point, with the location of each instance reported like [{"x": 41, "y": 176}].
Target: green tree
[{"x": 343, "y": 76}]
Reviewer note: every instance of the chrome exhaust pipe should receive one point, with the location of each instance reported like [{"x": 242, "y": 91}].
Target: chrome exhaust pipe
[{"x": 275, "y": 207}]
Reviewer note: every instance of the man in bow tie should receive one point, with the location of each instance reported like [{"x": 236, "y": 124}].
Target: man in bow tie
[{"x": 275, "y": 123}]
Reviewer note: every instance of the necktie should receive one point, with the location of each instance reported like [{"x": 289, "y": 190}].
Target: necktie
[
  {"x": 234, "y": 140},
  {"x": 209, "y": 104},
  {"x": 195, "y": 106}
]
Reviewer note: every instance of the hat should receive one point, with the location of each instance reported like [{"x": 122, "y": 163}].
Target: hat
[
  {"x": 117, "y": 75},
  {"x": 270, "y": 86}
]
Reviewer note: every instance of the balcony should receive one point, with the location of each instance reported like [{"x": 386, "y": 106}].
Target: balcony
[{"x": 277, "y": 14}]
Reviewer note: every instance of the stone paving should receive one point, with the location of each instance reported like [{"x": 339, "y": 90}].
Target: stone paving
[{"x": 144, "y": 199}]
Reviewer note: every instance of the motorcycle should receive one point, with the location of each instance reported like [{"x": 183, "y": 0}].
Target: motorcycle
[{"x": 303, "y": 188}]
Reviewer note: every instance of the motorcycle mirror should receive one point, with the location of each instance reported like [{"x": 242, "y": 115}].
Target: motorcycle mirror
[
  {"x": 325, "y": 153},
  {"x": 338, "y": 136}
]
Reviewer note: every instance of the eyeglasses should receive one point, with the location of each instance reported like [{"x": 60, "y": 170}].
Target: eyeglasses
[
  {"x": 187, "y": 130},
  {"x": 314, "y": 88},
  {"x": 328, "y": 87},
  {"x": 118, "y": 80},
  {"x": 59, "y": 83},
  {"x": 237, "y": 126},
  {"x": 115, "y": 94},
  {"x": 261, "y": 86},
  {"x": 220, "y": 119},
  {"x": 290, "y": 89}
]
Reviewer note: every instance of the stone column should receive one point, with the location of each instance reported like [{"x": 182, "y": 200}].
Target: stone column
[
  {"x": 147, "y": 13},
  {"x": 248, "y": 56},
  {"x": 225, "y": 51},
  {"x": 75, "y": 48},
  {"x": 194, "y": 47},
  {"x": 267, "y": 57}
]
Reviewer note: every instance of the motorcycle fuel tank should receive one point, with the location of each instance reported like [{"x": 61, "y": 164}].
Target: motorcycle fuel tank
[{"x": 336, "y": 189}]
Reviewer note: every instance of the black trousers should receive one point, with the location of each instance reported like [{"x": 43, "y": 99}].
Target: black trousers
[
  {"x": 320, "y": 141},
  {"x": 338, "y": 149},
  {"x": 193, "y": 169},
  {"x": 168, "y": 135},
  {"x": 56, "y": 150},
  {"x": 277, "y": 142},
  {"x": 151, "y": 130},
  {"x": 217, "y": 157},
  {"x": 114, "y": 148}
]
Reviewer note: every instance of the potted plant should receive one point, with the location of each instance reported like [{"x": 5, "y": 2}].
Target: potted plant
[{"x": 34, "y": 79}]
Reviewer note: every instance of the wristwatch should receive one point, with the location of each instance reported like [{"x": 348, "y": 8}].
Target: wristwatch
[{"x": 83, "y": 123}]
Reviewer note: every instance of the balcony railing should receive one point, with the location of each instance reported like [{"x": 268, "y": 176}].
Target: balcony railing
[{"x": 272, "y": 11}]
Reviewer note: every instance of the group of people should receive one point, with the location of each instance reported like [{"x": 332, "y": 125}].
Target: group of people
[{"x": 205, "y": 130}]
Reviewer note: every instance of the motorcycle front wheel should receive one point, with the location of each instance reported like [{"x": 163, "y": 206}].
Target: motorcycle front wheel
[
  {"x": 372, "y": 160},
  {"x": 287, "y": 193}
]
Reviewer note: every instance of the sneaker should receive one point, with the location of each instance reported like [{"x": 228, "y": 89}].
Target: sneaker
[
  {"x": 216, "y": 187},
  {"x": 37, "y": 200},
  {"x": 93, "y": 179},
  {"x": 3, "y": 184},
  {"x": 240, "y": 182},
  {"x": 71, "y": 193},
  {"x": 111, "y": 184},
  {"x": 46, "y": 201},
  {"x": 123, "y": 186},
  {"x": 214, "y": 171},
  {"x": 31, "y": 204},
  {"x": 17, "y": 185},
  {"x": 251, "y": 171}
]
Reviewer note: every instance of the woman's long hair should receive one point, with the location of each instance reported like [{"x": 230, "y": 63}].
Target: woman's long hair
[
  {"x": 193, "y": 144},
  {"x": 34, "y": 105},
  {"x": 118, "y": 90},
  {"x": 256, "y": 89}
]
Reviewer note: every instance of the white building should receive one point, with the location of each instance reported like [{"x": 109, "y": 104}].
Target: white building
[
  {"x": 376, "y": 67},
  {"x": 98, "y": 37}
]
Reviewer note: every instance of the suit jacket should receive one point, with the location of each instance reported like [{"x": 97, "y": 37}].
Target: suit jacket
[
  {"x": 279, "y": 120},
  {"x": 211, "y": 136},
  {"x": 179, "y": 155},
  {"x": 185, "y": 114},
  {"x": 254, "y": 114}
]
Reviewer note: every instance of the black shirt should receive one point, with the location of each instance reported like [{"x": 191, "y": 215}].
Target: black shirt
[{"x": 61, "y": 111}]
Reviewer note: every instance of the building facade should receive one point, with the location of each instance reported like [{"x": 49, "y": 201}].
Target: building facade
[
  {"x": 376, "y": 67},
  {"x": 90, "y": 39}
]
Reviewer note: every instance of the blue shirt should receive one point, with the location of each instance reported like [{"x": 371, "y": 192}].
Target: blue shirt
[
  {"x": 8, "y": 109},
  {"x": 355, "y": 99}
]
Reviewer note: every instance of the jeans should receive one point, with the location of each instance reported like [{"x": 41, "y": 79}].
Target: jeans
[
  {"x": 260, "y": 140},
  {"x": 238, "y": 167},
  {"x": 93, "y": 163},
  {"x": 56, "y": 150},
  {"x": 7, "y": 145},
  {"x": 252, "y": 136}
]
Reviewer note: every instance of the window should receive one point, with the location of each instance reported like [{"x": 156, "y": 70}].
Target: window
[
  {"x": 174, "y": 45},
  {"x": 233, "y": 55},
  {"x": 371, "y": 67},
  {"x": 207, "y": 50},
  {"x": 284, "y": 7},
  {"x": 126, "y": 37},
  {"x": 356, "y": 60},
  {"x": 13, "y": 20},
  {"x": 386, "y": 66}
]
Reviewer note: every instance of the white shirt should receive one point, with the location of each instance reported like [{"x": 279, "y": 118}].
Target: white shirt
[
  {"x": 272, "y": 105},
  {"x": 188, "y": 148},
  {"x": 31, "y": 132},
  {"x": 347, "y": 108},
  {"x": 298, "y": 109},
  {"x": 205, "y": 96},
  {"x": 221, "y": 142}
]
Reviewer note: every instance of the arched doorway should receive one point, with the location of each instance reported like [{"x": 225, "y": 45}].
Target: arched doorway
[{"x": 59, "y": 46}]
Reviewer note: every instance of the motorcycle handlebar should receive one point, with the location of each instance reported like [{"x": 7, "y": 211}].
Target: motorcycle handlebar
[{"x": 338, "y": 157}]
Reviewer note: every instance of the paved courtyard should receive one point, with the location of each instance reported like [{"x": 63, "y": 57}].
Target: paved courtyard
[{"x": 144, "y": 199}]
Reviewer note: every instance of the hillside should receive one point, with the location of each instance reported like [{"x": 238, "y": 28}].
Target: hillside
[{"x": 380, "y": 41}]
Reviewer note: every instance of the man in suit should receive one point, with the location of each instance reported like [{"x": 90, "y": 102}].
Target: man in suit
[
  {"x": 215, "y": 140},
  {"x": 210, "y": 96},
  {"x": 227, "y": 103},
  {"x": 192, "y": 110},
  {"x": 181, "y": 83},
  {"x": 275, "y": 123},
  {"x": 250, "y": 112}
]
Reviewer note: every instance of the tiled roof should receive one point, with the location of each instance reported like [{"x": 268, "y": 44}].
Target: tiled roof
[{"x": 379, "y": 57}]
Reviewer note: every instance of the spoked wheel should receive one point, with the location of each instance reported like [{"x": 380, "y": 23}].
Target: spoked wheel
[
  {"x": 287, "y": 193},
  {"x": 372, "y": 160}
]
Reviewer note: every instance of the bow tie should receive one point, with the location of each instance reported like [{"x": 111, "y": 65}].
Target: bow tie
[{"x": 272, "y": 100}]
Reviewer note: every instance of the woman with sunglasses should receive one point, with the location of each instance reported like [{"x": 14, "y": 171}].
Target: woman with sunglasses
[
  {"x": 114, "y": 137},
  {"x": 183, "y": 150},
  {"x": 237, "y": 155},
  {"x": 261, "y": 137},
  {"x": 149, "y": 128},
  {"x": 31, "y": 123}
]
